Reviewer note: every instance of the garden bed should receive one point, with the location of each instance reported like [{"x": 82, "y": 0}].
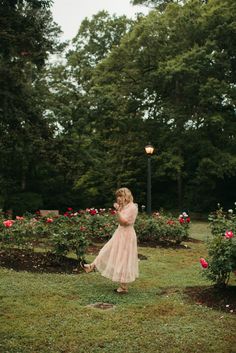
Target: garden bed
[
  {"x": 44, "y": 262},
  {"x": 25, "y": 260},
  {"x": 223, "y": 299}
]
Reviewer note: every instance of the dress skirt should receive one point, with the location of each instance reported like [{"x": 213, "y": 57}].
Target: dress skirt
[{"x": 118, "y": 259}]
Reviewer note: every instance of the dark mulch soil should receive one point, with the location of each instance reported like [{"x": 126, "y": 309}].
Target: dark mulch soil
[
  {"x": 223, "y": 299},
  {"x": 193, "y": 240},
  {"x": 23, "y": 260}
]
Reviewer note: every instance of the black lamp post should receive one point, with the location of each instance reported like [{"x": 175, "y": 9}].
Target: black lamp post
[{"x": 149, "y": 151}]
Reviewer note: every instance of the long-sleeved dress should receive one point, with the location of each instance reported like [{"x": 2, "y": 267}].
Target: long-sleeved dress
[{"x": 118, "y": 259}]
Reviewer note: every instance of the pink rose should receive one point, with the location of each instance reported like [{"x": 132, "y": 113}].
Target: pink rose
[
  {"x": 203, "y": 262},
  {"x": 33, "y": 220},
  {"x": 69, "y": 208},
  {"x": 229, "y": 234},
  {"x": 8, "y": 223},
  {"x": 49, "y": 220},
  {"x": 19, "y": 218}
]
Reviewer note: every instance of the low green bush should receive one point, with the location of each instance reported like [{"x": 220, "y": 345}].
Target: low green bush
[
  {"x": 221, "y": 260},
  {"x": 21, "y": 232},
  {"x": 68, "y": 234},
  {"x": 73, "y": 231},
  {"x": 161, "y": 228}
]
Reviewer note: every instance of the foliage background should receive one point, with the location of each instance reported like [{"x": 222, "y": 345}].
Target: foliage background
[{"x": 75, "y": 130}]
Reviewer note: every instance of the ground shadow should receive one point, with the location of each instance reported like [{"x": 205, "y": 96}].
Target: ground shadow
[
  {"x": 25, "y": 260},
  {"x": 223, "y": 299},
  {"x": 42, "y": 262}
]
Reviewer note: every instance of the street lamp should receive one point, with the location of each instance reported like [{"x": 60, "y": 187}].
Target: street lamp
[{"x": 149, "y": 151}]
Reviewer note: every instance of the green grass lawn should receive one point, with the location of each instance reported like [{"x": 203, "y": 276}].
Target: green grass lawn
[
  {"x": 200, "y": 230},
  {"x": 49, "y": 313}
]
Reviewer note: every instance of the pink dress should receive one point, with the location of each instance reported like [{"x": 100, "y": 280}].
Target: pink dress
[{"x": 118, "y": 259}]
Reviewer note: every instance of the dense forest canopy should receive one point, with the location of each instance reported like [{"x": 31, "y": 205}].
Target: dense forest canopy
[{"x": 75, "y": 130}]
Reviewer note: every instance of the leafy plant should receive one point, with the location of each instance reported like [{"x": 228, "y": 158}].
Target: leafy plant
[{"x": 221, "y": 247}]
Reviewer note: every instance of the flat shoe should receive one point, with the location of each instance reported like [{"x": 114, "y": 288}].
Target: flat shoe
[
  {"x": 87, "y": 268},
  {"x": 120, "y": 291}
]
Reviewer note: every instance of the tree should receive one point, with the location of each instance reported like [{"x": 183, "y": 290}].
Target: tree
[
  {"x": 28, "y": 36},
  {"x": 156, "y": 4},
  {"x": 168, "y": 78},
  {"x": 81, "y": 153},
  {"x": 178, "y": 69}
]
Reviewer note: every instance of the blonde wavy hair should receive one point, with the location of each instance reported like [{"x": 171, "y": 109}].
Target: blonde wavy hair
[{"x": 125, "y": 195}]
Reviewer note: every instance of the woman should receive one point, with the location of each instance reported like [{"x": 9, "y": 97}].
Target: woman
[{"x": 118, "y": 259}]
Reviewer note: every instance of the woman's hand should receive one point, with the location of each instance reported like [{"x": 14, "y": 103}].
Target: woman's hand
[{"x": 116, "y": 206}]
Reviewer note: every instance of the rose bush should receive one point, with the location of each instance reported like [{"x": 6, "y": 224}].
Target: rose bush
[
  {"x": 73, "y": 231},
  {"x": 161, "y": 228},
  {"x": 221, "y": 261},
  {"x": 68, "y": 234},
  {"x": 21, "y": 232}
]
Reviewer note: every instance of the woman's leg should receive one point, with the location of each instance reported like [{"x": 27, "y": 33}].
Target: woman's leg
[{"x": 123, "y": 288}]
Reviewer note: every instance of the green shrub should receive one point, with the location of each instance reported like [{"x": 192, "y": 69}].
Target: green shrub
[
  {"x": 102, "y": 225},
  {"x": 75, "y": 230},
  {"x": 221, "y": 261},
  {"x": 160, "y": 228},
  {"x": 21, "y": 232},
  {"x": 69, "y": 234}
]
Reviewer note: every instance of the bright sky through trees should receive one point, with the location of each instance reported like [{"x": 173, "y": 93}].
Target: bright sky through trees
[{"x": 69, "y": 13}]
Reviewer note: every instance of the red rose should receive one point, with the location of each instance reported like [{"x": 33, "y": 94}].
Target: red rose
[
  {"x": 8, "y": 223},
  {"x": 203, "y": 262},
  {"x": 229, "y": 234},
  {"x": 188, "y": 219},
  {"x": 69, "y": 208},
  {"x": 181, "y": 220}
]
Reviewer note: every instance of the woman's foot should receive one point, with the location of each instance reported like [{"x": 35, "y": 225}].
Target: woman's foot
[
  {"x": 87, "y": 267},
  {"x": 121, "y": 290}
]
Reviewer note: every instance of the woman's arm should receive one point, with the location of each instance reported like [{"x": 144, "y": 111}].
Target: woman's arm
[{"x": 122, "y": 221}]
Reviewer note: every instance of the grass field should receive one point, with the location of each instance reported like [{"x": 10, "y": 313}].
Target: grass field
[{"x": 49, "y": 313}]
